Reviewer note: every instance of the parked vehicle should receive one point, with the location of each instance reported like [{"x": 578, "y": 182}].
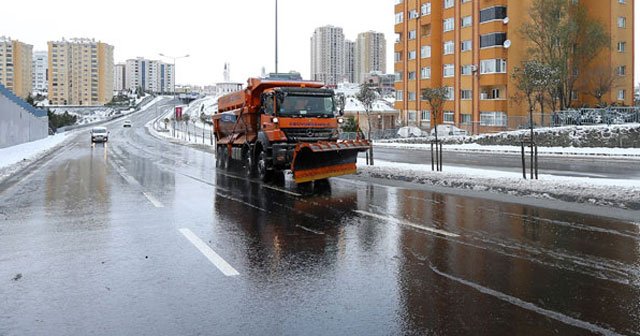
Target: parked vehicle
[
  {"x": 448, "y": 130},
  {"x": 279, "y": 124},
  {"x": 409, "y": 132},
  {"x": 127, "y": 123},
  {"x": 99, "y": 134}
]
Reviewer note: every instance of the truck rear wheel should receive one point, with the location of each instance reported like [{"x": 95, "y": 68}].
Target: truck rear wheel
[{"x": 263, "y": 173}]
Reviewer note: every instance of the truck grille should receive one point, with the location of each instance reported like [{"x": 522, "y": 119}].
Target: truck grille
[{"x": 310, "y": 134}]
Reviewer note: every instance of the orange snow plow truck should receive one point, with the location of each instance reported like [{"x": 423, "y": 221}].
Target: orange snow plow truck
[{"x": 280, "y": 124}]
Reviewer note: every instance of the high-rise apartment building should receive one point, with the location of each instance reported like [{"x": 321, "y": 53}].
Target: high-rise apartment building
[
  {"x": 39, "y": 68},
  {"x": 370, "y": 55},
  {"x": 328, "y": 55},
  {"x": 15, "y": 66},
  {"x": 119, "y": 76},
  {"x": 350, "y": 61},
  {"x": 472, "y": 47},
  {"x": 150, "y": 75},
  {"x": 80, "y": 72}
]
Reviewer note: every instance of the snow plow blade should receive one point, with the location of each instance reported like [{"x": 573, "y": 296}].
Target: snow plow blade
[{"x": 320, "y": 160}]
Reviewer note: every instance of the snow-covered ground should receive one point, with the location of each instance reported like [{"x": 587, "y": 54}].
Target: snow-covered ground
[
  {"x": 608, "y": 192},
  {"x": 15, "y": 158}
]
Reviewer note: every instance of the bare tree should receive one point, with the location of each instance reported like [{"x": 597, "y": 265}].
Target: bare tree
[
  {"x": 436, "y": 98},
  {"x": 600, "y": 81},
  {"x": 566, "y": 38},
  {"x": 367, "y": 96}
]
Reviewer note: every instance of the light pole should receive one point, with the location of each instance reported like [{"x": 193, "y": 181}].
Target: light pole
[{"x": 175, "y": 95}]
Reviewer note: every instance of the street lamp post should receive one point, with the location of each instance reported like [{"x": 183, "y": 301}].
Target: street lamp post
[{"x": 175, "y": 95}]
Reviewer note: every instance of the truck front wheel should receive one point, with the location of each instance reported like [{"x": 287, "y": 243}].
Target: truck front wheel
[{"x": 263, "y": 173}]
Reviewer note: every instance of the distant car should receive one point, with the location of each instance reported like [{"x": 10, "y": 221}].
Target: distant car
[
  {"x": 449, "y": 130},
  {"x": 99, "y": 134},
  {"x": 127, "y": 123},
  {"x": 409, "y": 132}
]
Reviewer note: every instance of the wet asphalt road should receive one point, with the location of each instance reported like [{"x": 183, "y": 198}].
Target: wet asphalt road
[{"x": 144, "y": 237}]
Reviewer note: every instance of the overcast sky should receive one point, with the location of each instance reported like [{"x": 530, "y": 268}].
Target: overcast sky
[{"x": 212, "y": 32}]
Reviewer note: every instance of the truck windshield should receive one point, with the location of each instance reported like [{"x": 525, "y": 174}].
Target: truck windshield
[{"x": 307, "y": 106}]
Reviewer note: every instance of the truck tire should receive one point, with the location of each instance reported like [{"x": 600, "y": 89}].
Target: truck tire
[
  {"x": 264, "y": 174},
  {"x": 222, "y": 159}
]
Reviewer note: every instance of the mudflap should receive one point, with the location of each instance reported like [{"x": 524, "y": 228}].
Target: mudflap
[{"x": 321, "y": 160}]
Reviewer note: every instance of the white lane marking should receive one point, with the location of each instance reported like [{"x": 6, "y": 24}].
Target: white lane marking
[
  {"x": 403, "y": 222},
  {"x": 213, "y": 257},
  {"x": 309, "y": 230},
  {"x": 281, "y": 190},
  {"x": 153, "y": 200},
  {"x": 528, "y": 305}
]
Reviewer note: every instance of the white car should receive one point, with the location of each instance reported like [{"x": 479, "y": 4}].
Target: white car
[
  {"x": 127, "y": 123},
  {"x": 409, "y": 132},
  {"x": 99, "y": 134},
  {"x": 448, "y": 130}
]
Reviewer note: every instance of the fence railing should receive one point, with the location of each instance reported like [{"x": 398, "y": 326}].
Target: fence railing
[{"x": 578, "y": 117}]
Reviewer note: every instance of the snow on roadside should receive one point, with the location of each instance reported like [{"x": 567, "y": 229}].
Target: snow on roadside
[
  {"x": 629, "y": 153},
  {"x": 606, "y": 192},
  {"x": 15, "y": 158}
]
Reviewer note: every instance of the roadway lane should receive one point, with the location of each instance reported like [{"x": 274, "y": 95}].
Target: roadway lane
[
  {"x": 146, "y": 237},
  {"x": 612, "y": 168}
]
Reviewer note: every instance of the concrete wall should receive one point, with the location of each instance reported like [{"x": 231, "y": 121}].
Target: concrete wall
[{"x": 18, "y": 126}]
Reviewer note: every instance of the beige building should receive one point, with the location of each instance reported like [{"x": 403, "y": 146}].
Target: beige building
[
  {"x": 15, "y": 66},
  {"x": 370, "y": 55},
  {"x": 81, "y": 72}
]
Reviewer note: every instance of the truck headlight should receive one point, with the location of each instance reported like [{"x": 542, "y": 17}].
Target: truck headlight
[
  {"x": 340, "y": 120},
  {"x": 275, "y": 120}
]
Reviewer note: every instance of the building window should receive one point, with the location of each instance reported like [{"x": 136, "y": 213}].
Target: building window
[
  {"x": 492, "y": 40},
  {"x": 493, "y": 66},
  {"x": 425, "y": 115},
  {"x": 412, "y": 75},
  {"x": 426, "y": 8},
  {"x": 412, "y": 115},
  {"x": 449, "y": 48},
  {"x": 466, "y": 94},
  {"x": 622, "y": 47},
  {"x": 493, "y": 13},
  {"x": 466, "y": 70},
  {"x": 622, "y": 94},
  {"x": 399, "y": 18},
  {"x": 425, "y": 51},
  {"x": 451, "y": 95},
  {"x": 448, "y": 70},
  {"x": 412, "y": 55},
  {"x": 399, "y": 95},
  {"x": 425, "y": 73},
  {"x": 466, "y": 21},
  {"x": 412, "y": 35},
  {"x": 494, "y": 119},
  {"x": 622, "y": 22},
  {"x": 448, "y": 3},
  {"x": 448, "y": 117},
  {"x": 466, "y": 45},
  {"x": 621, "y": 70},
  {"x": 448, "y": 25},
  {"x": 398, "y": 76},
  {"x": 413, "y": 14},
  {"x": 412, "y": 96},
  {"x": 465, "y": 119},
  {"x": 397, "y": 56}
]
